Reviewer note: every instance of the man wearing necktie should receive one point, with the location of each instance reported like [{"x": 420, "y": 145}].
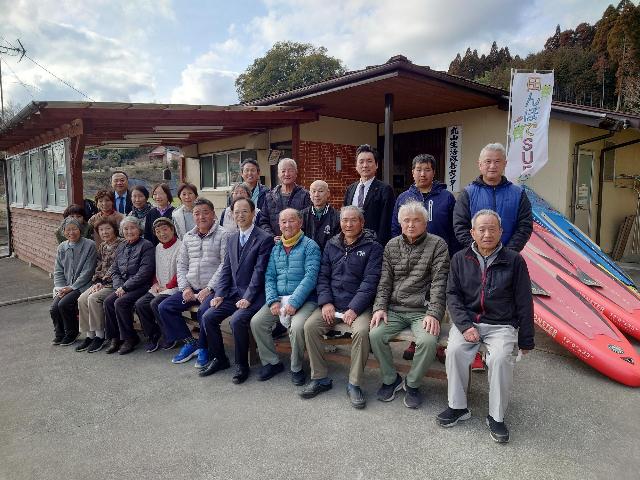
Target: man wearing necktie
[
  {"x": 376, "y": 198},
  {"x": 120, "y": 185},
  {"x": 239, "y": 292}
]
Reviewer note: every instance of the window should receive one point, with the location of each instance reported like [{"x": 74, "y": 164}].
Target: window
[
  {"x": 39, "y": 178},
  {"x": 223, "y": 169}
]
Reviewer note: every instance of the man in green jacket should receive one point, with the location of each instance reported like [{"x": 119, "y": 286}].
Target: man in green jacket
[{"x": 411, "y": 293}]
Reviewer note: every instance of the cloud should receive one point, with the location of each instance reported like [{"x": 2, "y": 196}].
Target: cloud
[
  {"x": 202, "y": 82},
  {"x": 80, "y": 44}
]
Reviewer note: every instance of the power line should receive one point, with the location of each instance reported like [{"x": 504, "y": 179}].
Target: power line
[
  {"x": 25, "y": 85},
  {"x": 59, "y": 79}
]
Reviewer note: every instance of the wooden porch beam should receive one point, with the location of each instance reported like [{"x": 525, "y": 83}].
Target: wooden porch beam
[{"x": 77, "y": 152}]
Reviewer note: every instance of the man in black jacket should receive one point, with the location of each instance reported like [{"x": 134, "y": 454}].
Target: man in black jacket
[
  {"x": 490, "y": 302},
  {"x": 376, "y": 198},
  {"x": 320, "y": 221}
]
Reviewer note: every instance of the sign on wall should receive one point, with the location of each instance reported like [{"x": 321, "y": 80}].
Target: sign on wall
[
  {"x": 528, "y": 147},
  {"x": 453, "y": 158}
]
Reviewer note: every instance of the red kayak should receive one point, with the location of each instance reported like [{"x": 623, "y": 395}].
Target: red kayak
[
  {"x": 617, "y": 302},
  {"x": 576, "y": 325}
]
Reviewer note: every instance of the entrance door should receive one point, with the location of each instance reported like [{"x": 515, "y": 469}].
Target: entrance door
[
  {"x": 584, "y": 189},
  {"x": 406, "y": 146}
]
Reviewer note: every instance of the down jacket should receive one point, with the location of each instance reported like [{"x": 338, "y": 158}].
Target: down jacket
[
  {"x": 134, "y": 266},
  {"x": 414, "y": 276},
  {"x": 200, "y": 258},
  {"x": 499, "y": 294},
  {"x": 274, "y": 203},
  {"x": 349, "y": 275},
  {"x": 294, "y": 273}
]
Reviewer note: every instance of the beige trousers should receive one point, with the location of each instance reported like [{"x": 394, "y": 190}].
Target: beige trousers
[
  {"x": 91, "y": 309},
  {"x": 315, "y": 327}
]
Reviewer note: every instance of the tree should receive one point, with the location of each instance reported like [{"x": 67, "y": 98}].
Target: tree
[
  {"x": 287, "y": 65},
  {"x": 553, "y": 43},
  {"x": 11, "y": 109}
]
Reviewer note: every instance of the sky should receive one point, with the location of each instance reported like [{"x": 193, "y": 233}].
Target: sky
[{"x": 189, "y": 51}]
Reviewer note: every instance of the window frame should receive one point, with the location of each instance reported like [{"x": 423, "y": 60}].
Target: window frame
[{"x": 213, "y": 157}]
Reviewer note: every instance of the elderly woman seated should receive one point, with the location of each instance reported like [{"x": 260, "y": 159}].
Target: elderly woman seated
[
  {"x": 105, "y": 200},
  {"x": 91, "y": 301},
  {"x": 165, "y": 282},
  {"x": 132, "y": 274},
  {"x": 75, "y": 263},
  {"x": 77, "y": 212}
]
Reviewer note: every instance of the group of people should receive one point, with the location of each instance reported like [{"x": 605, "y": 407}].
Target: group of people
[{"x": 285, "y": 259}]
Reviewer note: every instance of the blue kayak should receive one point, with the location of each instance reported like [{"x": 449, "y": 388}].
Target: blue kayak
[{"x": 545, "y": 215}]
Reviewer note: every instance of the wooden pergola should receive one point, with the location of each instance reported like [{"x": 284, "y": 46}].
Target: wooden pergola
[{"x": 129, "y": 125}]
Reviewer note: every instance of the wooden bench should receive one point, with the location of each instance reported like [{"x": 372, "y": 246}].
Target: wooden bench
[{"x": 332, "y": 354}]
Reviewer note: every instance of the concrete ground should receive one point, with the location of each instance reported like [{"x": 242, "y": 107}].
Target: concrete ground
[{"x": 77, "y": 415}]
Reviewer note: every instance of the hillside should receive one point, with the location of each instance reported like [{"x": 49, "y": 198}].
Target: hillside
[{"x": 596, "y": 65}]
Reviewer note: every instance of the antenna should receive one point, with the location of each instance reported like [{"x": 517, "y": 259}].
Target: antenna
[{"x": 11, "y": 51}]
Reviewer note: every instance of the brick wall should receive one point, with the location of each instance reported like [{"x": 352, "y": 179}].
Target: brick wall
[
  {"x": 318, "y": 162},
  {"x": 33, "y": 236}
]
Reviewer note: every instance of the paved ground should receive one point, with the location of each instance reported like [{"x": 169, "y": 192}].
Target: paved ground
[{"x": 76, "y": 415}]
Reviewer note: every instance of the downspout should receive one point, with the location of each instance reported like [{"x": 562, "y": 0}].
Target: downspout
[
  {"x": 601, "y": 182},
  {"x": 6, "y": 190},
  {"x": 576, "y": 153}
]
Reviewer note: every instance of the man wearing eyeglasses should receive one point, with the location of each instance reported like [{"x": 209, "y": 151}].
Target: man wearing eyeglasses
[
  {"x": 491, "y": 190},
  {"x": 376, "y": 198}
]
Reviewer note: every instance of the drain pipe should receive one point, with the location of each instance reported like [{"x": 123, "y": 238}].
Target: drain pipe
[
  {"x": 601, "y": 181},
  {"x": 6, "y": 194},
  {"x": 576, "y": 152}
]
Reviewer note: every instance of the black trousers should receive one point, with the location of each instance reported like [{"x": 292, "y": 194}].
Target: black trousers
[
  {"x": 240, "y": 323},
  {"x": 118, "y": 314},
  {"x": 64, "y": 314},
  {"x": 147, "y": 310}
]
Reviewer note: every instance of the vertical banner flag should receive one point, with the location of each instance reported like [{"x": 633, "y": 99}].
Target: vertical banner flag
[
  {"x": 528, "y": 146},
  {"x": 454, "y": 157}
]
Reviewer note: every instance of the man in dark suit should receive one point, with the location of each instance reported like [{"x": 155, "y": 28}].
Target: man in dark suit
[
  {"x": 370, "y": 194},
  {"x": 239, "y": 292},
  {"x": 120, "y": 185}
]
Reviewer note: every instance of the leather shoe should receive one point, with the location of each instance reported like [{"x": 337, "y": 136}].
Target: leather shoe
[
  {"x": 114, "y": 346},
  {"x": 129, "y": 345},
  {"x": 214, "y": 366},
  {"x": 356, "y": 397},
  {"x": 269, "y": 371},
  {"x": 241, "y": 375},
  {"x": 315, "y": 387}
]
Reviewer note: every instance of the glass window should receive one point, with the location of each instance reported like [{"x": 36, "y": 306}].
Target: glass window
[
  {"x": 206, "y": 172},
  {"x": 234, "y": 168},
  {"x": 51, "y": 176},
  {"x": 60, "y": 167},
  {"x": 34, "y": 178},
  {"x": 221, "y": 170},
  {"x": 17, "y": 180}
]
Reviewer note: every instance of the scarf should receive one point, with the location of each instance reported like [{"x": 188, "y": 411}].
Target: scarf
[
  {"x": 255, "y": 194},
  {"x": 291, "y": 242},
  {"x": 170, "y": 243},
  {"x": 141, "y": 213}
]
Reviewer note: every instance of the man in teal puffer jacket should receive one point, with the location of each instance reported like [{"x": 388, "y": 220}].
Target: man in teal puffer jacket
[{"x": 292, "y": 272}]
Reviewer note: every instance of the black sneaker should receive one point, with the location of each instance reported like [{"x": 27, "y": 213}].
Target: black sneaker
[
  {"x": 96, "y": 345},
  {"x": 298, "y": 378},
  {"x": 498, "y": 430},
  {"x": 451, "y": 416},
  {"x": 57, "y": 340},
  {"x": 387, "y": 393},
  {"x": 413, "y": 397},
  {"x": 69, "y": 339},
  {"x": 84, "y": 345},
  {"x": 315, "y": 387}
]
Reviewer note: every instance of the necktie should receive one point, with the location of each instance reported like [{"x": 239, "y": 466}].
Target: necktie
[
  {"x": 361, "y": 196},
  {"x": 121, "y": 205},
  {"x": 243, "y": 239}
]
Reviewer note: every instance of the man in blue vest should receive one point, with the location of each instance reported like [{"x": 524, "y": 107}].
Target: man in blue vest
[{"x": 492, "y": 191}]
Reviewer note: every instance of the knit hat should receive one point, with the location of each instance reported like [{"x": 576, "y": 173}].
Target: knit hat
[
  {"x": 163, "y": 221},
  {"x": 71, "y": 221}
]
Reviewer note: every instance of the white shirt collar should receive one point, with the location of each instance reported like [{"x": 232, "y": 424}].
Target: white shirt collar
[
  {"x": 247, "y": 232},
  {"x": 368, "y": 183}
]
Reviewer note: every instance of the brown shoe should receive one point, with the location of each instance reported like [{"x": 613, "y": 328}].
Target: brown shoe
[
  {"x": 129, "y": 345},
  {"x": 113, "y": 346}
]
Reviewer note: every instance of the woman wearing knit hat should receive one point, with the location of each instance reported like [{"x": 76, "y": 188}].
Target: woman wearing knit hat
[
  {"x": 165, "y": 283},
  {"x": 75, "y": 263}
]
